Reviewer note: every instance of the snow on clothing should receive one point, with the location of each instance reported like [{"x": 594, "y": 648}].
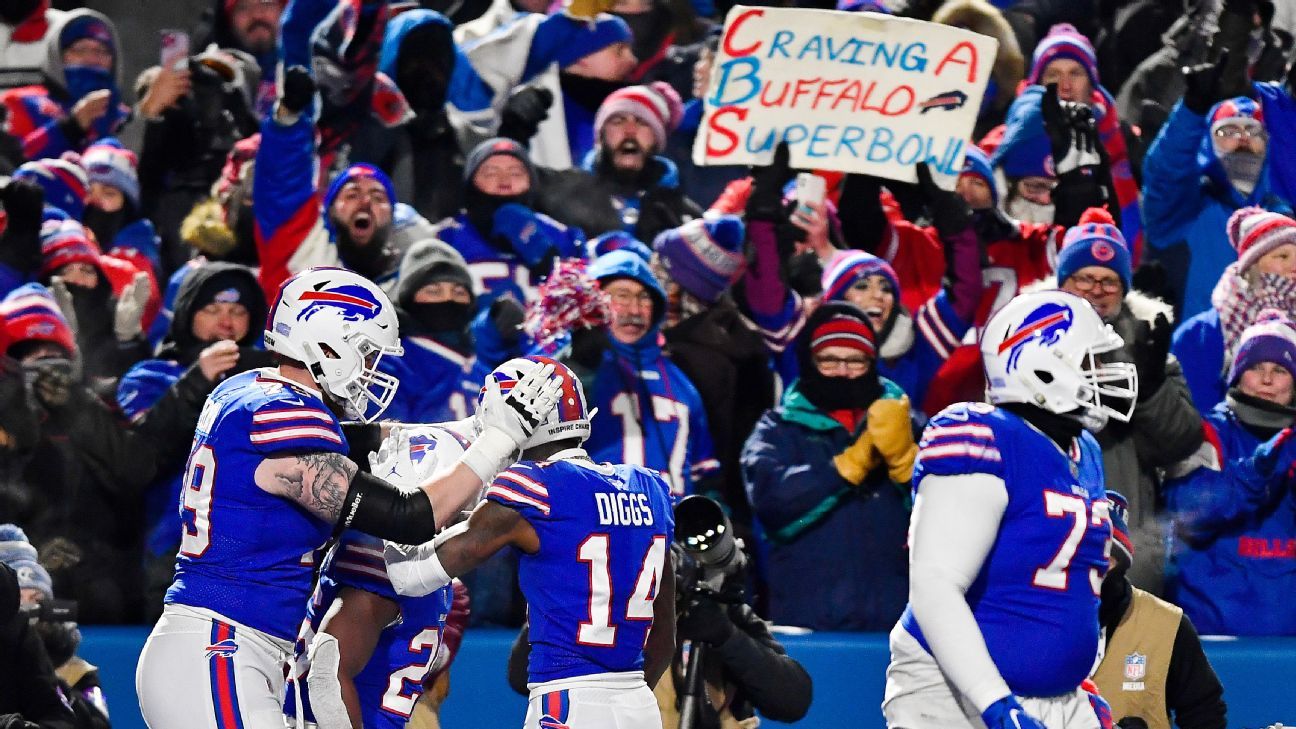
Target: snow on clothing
[
  {"x": 1231, "y": 547},
  {"x": 40, "y": 115},
  {"x": 674, "y": 437},
  {"x": 837, "y": 558},
  {"x": 1187, "y": 199}
]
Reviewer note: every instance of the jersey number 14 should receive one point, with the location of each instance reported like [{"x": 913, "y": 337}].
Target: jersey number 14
[{"x": 599, "y": 630}]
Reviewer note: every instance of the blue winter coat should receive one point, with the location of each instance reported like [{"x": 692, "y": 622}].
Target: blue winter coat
[
  {"x": 437, "y": 383},
  {"x": 837, "y": 558},
  {"x": 1187, "y": 198},
  {"x": 1198, "y": 344},
  {"x": 1233, "y": 548}
]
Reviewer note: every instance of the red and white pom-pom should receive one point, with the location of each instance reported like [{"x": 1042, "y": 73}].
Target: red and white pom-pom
[
  {"x": 1096, "y": 215},
  {"x": 569, "y": 299}
]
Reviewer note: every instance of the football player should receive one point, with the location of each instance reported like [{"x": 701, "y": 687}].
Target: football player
[
  {"x": 268, "y": 482},
  {"x": 364, "y": 652},
  {"x": 594, "y": 568},
  {"x": 1010, "y": 532}
]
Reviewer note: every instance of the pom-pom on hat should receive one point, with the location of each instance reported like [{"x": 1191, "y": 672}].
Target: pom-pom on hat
[
  {"x": 1272, "y": 338},
  {"x": 1095, "y": 241},
  {"x": 705, "y": 257},
  {"x": 657, "y": 105},
  {"x": 1254, "y": 231},
  {"x": 1064, "y": 41},
  {"x": 847, "y": 267}
]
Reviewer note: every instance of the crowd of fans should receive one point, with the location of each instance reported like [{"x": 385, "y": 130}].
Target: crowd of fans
[{"x": 517, "y": 177}]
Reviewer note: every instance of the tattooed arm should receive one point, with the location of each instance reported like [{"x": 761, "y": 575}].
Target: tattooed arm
[{"x": 317, "y": 481}]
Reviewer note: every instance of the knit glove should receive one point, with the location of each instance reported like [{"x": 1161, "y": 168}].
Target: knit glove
[
  {"x": 525, "y": 109},
  {"x": 1072, "y": 132},
  {"x": 1276, "y": 456},
  {"x": 950, "y": 213},
  {"x": 1202, "y": 84},
  {"x": 888, "y": 422},
  {"x": 63, "y": 297},
  {"x": 1150, "y": 349},
  {"x": 128, "y": 317},
  {"x": 532, "y": 237},
  {"x": 297, "y": 91}
]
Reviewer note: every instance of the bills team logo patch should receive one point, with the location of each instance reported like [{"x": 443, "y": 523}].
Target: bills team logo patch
[
  {"x": 222, "y": 648},
  {"x": 1044, "y": 326},
  {"x": 355, "y": 303},
  {"x": 1102, "y": 251},
  {"x": 1135, "y": 667}
]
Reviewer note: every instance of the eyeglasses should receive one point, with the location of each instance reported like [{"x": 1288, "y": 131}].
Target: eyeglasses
[
  {"x": 627, "y": 299},
  {"x": 1236, "y": 132},
  {"x": 851, "y": 365},
  {"x": 1038, "y": 188},
  {"x": 1085, "y": 282}
]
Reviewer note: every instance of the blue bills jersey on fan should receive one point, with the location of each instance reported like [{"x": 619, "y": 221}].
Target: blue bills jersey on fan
[
  {"x": 605, "y": 533},
  {"x": 244, "y": 553},
  {"x": 407, "y": 650},
  {"x": 1036, "y": 597}
]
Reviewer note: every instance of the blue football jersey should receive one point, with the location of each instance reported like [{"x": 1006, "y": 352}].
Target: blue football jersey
[
  {"x": 244, "y": 553},
  {"x": 407, "y": 650},
  {"x": 605, "y": 533},
  {"x": 1036, "y": 597}
]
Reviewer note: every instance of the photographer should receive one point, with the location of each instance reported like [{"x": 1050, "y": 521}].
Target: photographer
[
  {"x": 743, "y": 669},
  {"x": 29, "y": 693},
  {"x": 54, "y": 623}
]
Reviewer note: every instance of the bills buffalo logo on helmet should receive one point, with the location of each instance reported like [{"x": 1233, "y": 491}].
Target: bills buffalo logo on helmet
[
  {"x": 1044, "y": 326},
  {"x": 355, "y": 303}
]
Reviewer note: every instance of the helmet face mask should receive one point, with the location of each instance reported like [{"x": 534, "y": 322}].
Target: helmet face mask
[
  {"x": 570, "y": 418},
  {"x": 339, "y": 326},
  {"x": 1045, "y": 348}
]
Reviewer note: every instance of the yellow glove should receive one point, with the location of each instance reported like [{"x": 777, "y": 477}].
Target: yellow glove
[
  {"x": 888, "y": 424},
  {"x": 858, "y": 459},
  {"x": 587, "y": 9},
  {"x": 204, "y": 228}
]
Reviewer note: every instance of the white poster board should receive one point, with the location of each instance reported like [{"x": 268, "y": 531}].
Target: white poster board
[{"x": 855, "y": 92}]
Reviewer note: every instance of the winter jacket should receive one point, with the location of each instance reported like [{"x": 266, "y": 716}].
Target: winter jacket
[
  {"x": 674, "y": 437},
  {"x": 437, "y": 383},
  {"x": 1233, "y": 544},
  {"x": 1198, "y": 344},
  {"x": 1164, "y": 429},
  {"x": 28, "y": 685},
  {"x": 40, "y": 115},
  {"x": 837, "y": 558},
  {"x": 1280, "y": 120},
  {"x": 1187, "y": 199},
  {"x": 654, "y": 203},
  {"x": 726, "y": 360},
  {"x": 164, "y": 396},
  {"x": 214, "y": 27}
]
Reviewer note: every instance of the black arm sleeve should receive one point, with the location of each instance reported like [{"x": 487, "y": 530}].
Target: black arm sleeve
[
  {"x": 379, "y": 509},
  {"x": 1194, "y": 694},
  {"x": 774, "y": 683}
]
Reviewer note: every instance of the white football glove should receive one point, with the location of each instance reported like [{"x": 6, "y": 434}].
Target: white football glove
[
  {"x": 325, "y": 690},
  {"x": 506, "y": 422}
]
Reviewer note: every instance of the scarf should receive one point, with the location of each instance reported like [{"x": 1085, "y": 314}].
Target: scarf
[{"x": 1239, "y": 302}]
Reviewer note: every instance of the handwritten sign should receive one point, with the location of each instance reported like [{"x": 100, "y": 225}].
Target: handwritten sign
[{"x": 856, "y": 92}]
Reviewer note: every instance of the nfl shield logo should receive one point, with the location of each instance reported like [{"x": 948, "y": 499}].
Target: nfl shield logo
[{"x": 1135, "y": 667}]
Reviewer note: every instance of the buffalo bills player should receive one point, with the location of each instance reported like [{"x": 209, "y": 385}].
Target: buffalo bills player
[
  {"x": 595, "y": 570},
  {"x": 363, "y": 651},
  {"x": 1010, "y": 532},
  {"x": 268, "y": 482}
]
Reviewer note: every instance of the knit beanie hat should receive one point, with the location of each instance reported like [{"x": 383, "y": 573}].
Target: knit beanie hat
[
  {"x": 229, "y": 287},
  {"x": 1095, "y": 241},
  {"x": 1239, "y": 110},
  {"x": 567, "y": 40},
  {"x": 430, "y": 261},
  {"x": 976, "y": 163},
  {"x": 1254, "y": 231},
  {"x": 1118, "y": 509},
  {"x": 847, "y": 267},
  {"x": 29, "y": 313},
  {"x": 657, "y": 105},
  {"x": 19, "y": 554},
  {"x": 355, "y": 172},
  {"x": 615, "y": 240},
  {"x": 844, "y": 331},
  {"x": 109, "y": 163},
  {"x": 86, "y": 26},
  {"x": 491, "y": 147},
  {"x": 1064, "y": 41},
  {"x": 64, "y": 182},
  {"x": 64, "y": 241},
  {"x": 705, "y": 257},
  {"x": 1272, "y": 338}
]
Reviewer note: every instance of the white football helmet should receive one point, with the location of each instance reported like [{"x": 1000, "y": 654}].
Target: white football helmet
[
  {"x": 1042, "y": 348},
  {"x": 570, "y": 418},
  {"x": 339, "y": 325}
]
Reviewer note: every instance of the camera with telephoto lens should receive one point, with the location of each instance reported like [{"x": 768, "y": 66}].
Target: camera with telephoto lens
[{"x": 708, "y": 554}]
